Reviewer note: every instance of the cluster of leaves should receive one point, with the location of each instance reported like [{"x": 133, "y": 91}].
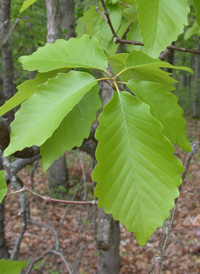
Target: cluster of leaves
[
  {"x": 137, "y": 173},
  {"x": 155, "y": 23}
]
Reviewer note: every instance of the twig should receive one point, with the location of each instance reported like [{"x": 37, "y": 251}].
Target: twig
[
  {"x": 24, "y": 209},
  {"x": 49, "y": 199},
  {"x": 55, "y": 234},
  {"x": 45, "y": 254},
  {"x": 80, "y": 241},
  {"x": 164, "y": 54},
  {"x": 107, "y": 18},
  {"x": 36, "y": 198},
  {"x": 84, "y": 177},
  {"x": 124, "y": 4},
  {"x": 13, "y": 27},
  {"x": 68, "y": 206},
  {"x": 117, "y": 40},
  {"x": 98, "y": 10},
  {"x": 160, "y": 251}
]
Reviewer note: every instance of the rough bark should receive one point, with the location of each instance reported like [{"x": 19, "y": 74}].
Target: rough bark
[
  {"x": 54, "y": 25},
  {"x": 58, "y": 175},
  {"x": 108, "y": 244},
  {"x": 3, "y": 246},
  {"x": 68, "y": 18},
  {"x": 196, "y": 106},
  {"x": 6, "y": 92},
  {"x": 7, "y": 63}
]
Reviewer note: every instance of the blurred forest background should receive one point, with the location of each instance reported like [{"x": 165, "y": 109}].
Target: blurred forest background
[{"x": 58, "y": 238}]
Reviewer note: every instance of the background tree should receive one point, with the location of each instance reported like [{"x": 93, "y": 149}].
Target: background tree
[
  {"x": 58, "y": 175},
  {"x": 5, "y": 93}
]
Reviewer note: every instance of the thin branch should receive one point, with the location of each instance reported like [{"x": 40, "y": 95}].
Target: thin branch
[
  {"x": 107, "y": 18},
  {"x": 69, "y": 205},
  {"x": 24, "y": 208},
  {"x": 124, "y": 4},
  {"x": 13, "y": 27},
  {"x": 137, "y": 43},
  {"x": 49, "y": 199},
  {"x": 117, "y": 40},
  {"x": 55, "y": 234},
  {"x": 160, "y": 251},
  {"x": 36, "y": 198},
  {"x": 51, "y": 251},
  {"x": 84, "y": 177}
]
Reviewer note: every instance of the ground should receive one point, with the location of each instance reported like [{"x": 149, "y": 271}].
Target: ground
[{"x": 77, "y": 233}]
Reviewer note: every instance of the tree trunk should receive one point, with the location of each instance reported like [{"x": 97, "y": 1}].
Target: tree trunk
[
  {"x": 58, "y": 175},
  {"x": 108, "y": 244},
  {"x": 54, "y": 25},
  {"x": 6, "y": 93},
  {"x": 3, "y": 246},
  {"x": 58, "y": 178},
  {"x": 196, "y": 109},
  {"x": 68, "y": 18},
  {"x": 7, "y": 63}
]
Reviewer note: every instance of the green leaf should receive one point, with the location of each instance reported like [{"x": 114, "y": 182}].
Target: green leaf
[
  {"x": 92, "y": 23},
  {"x": 194, "y": 29},
  {"x": 117, "y": 62},
  {"x": 105, "y": 37},
  {"x": 160, "y": 23},
  {"x": 137, "y": 174},
  {"x": 74, "y": 53},
  {"x": 3, "y": 186},
  {"x": 113, "y": 2},
  {"x": 74, "y": 128},
  {"x": 130, "y": 13},
  {"x": 25, "y": 90},
  {"x": 134, "y": 35},
  {"x": 43, "y": 112},
  {"x": 197, "y": 7},
  {"x": 26, "y": 5},
  {"x": 11, "y": 267},
  {"x": 137, "y": 65},
  {"x": 164, "y": 107},
  {"x": 85, "y": 24},
  {"x": 140, "y": 66}
]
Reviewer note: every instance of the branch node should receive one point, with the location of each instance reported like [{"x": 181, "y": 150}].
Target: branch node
[{"x": 116, "y": 40}]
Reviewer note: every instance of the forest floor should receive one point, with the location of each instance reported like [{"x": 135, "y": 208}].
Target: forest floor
[{"x": 78, "y": 231}]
